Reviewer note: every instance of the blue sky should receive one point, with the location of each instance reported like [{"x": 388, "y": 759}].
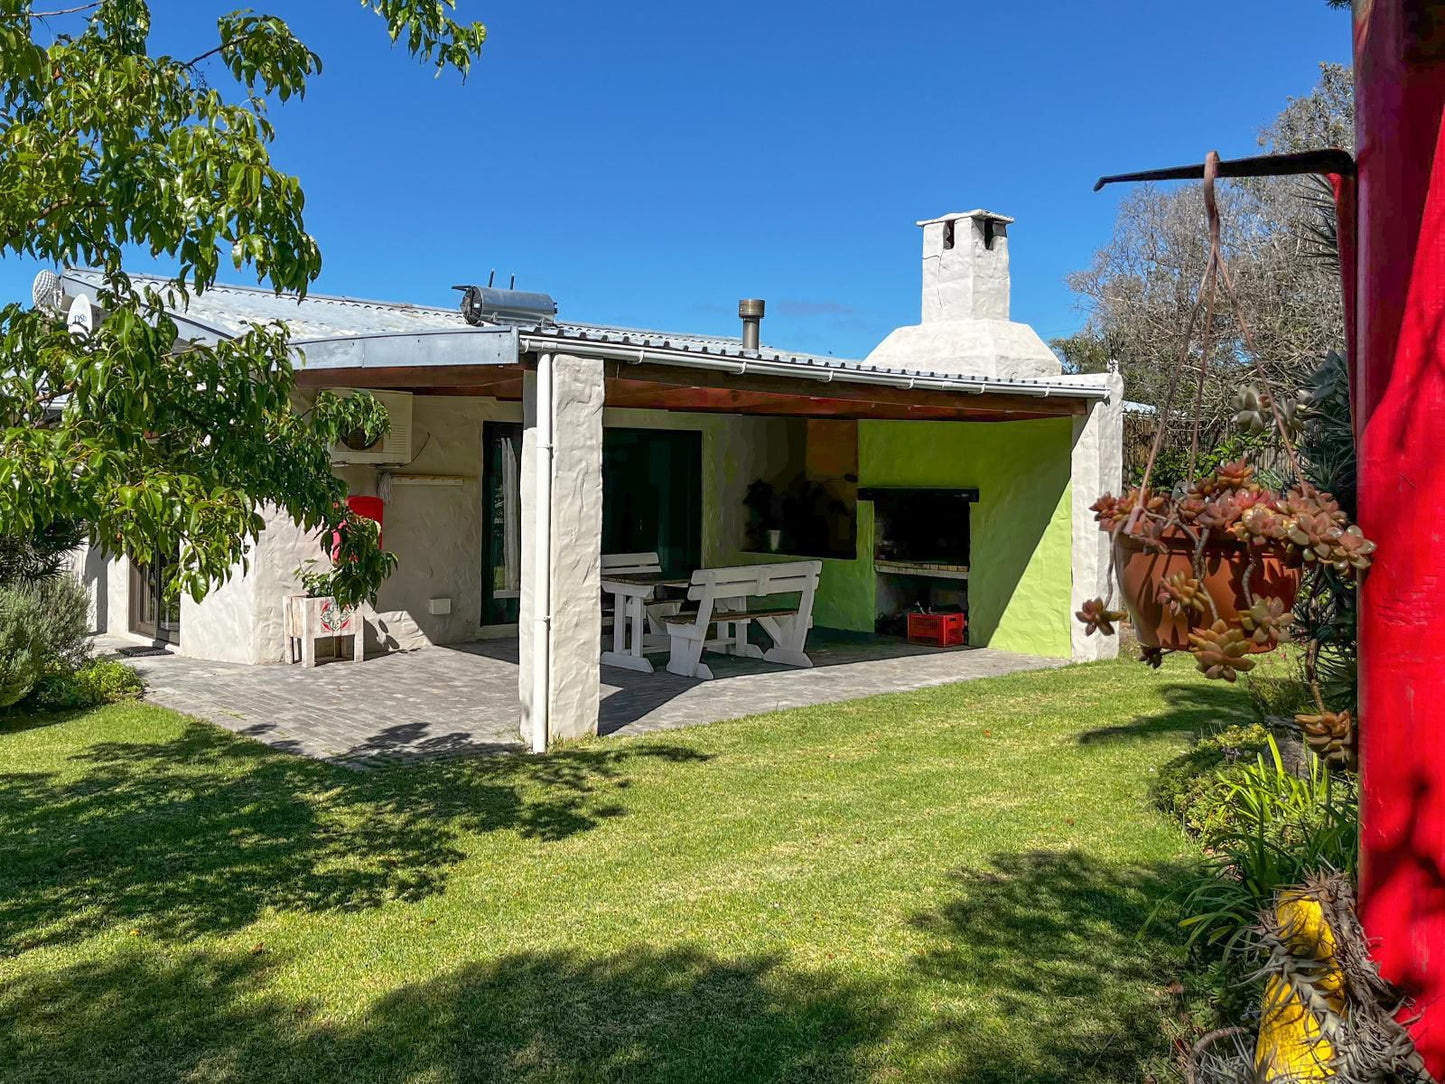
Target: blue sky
[{"x": 649, "y": 163}]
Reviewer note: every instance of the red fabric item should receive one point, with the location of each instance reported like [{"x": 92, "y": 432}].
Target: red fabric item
[{"x": 371, "y": 508}]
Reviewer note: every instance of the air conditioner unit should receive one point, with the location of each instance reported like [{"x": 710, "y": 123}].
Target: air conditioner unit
[{"x": 394, "y": 448}]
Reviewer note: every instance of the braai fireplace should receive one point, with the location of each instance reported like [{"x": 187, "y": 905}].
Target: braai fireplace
[{"x": 920, "y": 551}]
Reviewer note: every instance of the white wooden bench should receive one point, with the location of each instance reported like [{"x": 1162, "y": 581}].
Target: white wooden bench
[
  {"x": 631, "y": 580},
  {"x": 724, "y": 598}
]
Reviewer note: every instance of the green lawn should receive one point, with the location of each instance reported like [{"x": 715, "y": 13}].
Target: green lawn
[{"x": 939, "y": 885}]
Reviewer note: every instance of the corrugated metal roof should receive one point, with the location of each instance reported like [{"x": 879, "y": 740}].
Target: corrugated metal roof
[
  {"x": 228, "y": 310},
  {"x": 729, "y": 353}
]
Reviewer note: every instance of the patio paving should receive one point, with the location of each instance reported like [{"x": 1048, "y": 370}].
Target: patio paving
[{"x": 461, "y": 699}]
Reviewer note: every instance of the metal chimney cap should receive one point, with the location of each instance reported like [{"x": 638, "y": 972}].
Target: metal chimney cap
[{"x": 751, "y": 307}]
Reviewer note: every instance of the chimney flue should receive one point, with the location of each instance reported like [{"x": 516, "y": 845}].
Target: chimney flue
[
  {"x": 965, "y": 267},
  {"x": 750, "y": 309}
]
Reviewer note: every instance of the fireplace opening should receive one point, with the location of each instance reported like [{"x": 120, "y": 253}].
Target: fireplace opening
[{"x": 921, "y": 544}]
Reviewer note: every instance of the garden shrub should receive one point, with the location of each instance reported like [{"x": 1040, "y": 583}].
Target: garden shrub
[
  {"x": 64, "y": 619},
  {"x": 103, "y": 681},
  {"x": 1194, "y": 786},
  {"x": 22, "y": 649},
  {"x": 1276, "y": 686},
  {"x": 45, "y": 648}
]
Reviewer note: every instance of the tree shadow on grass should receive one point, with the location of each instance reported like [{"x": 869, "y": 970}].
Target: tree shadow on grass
[
  {"x": 201, "y": 833},
  {"x": 1192, "y": 708},
  {"x": 643, "y": 1015},
  {"x": 1064, "y": 942},
  {"x": 1034, "y": 973}
]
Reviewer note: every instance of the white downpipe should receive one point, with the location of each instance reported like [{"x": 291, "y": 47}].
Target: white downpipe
[{"x": 542, "y": 562}]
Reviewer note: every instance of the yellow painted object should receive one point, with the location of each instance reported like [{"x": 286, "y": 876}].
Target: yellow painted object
[{"x": 1291, "y": 1045}]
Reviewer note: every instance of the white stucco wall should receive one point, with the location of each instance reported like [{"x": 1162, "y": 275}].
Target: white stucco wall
[
  {"x": 223, "y": 625},
  {"x": 1096, "y": 467},
  {"x": 435, "y": 531},
  {"x": 993, "y": 348}
]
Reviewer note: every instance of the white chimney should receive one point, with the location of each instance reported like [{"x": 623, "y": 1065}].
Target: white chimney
[
  {"x": 965, "y": 266},
  {"x": 965, "y": 327}
]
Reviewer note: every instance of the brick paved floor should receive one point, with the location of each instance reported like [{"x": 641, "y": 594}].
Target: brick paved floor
[{"x": 446, "y": 701}]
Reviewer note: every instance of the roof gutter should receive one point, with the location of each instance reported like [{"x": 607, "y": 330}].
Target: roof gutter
[{"x": 974, "y": 385}]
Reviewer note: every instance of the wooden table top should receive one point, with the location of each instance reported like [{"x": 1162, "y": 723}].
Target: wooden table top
[{"x": 644, "y": 579}]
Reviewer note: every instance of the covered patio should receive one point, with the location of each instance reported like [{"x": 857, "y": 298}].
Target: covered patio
[
  {"x": 824, "y": 501},
  {"x": 1025, "y": 454}
]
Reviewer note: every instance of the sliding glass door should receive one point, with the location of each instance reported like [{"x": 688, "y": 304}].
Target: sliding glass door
[
  {"x": 651, "y": 501},
  {"x": 501, "y": 523},
  {"x": 652, "y": 495}
]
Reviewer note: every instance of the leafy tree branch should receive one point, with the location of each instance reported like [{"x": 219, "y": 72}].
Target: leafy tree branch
[{"x": 156, "y": 443}]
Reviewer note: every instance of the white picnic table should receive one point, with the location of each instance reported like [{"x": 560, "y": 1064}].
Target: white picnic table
[{"x": 631, "y": 592}]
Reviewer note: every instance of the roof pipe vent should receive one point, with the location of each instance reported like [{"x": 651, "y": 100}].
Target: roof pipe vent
[{"x": 750, "y": 309}]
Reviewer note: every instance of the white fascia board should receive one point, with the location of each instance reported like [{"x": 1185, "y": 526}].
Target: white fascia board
[{"x": 480, "y": 346}]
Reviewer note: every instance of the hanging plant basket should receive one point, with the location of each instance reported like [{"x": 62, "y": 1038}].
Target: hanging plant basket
[
  {"x": 1233, "y": 578},
  {"x": 1213, "y": 567}
]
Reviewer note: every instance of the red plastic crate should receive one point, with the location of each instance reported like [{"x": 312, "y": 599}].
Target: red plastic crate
[{"x": 944, "y": 630}]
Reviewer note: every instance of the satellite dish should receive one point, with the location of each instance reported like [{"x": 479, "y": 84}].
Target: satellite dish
[
  {"x": 46, "y": 291},
  {"x": 79, "y": 320}
]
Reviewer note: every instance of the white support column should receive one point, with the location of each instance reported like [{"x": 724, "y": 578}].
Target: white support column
[
  {"x": 573, "y": 519},
  {"x": 1097, "y": 467}
]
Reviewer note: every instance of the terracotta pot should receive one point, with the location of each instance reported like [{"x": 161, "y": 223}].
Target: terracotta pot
[{"x": 1142, "y": 570}]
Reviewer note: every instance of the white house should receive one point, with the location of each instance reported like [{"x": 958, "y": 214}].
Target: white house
[{"x": 952, "y": 467}]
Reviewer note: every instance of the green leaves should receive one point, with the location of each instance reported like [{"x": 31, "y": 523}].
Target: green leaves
[
  {"x": 166, "y": 446},
  {"x": 159, "y": 444},
  {"x": 430, "y": 33},
  {"x": 260, "y": 50}
]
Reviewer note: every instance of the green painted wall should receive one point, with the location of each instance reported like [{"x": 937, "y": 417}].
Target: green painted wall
[{"x": 1020, "y": 570}]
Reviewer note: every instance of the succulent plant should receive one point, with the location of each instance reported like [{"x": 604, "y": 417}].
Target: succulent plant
[
  {"x": 1221, "y": 651},
  {"x": 1314, "y": 534},
  {"x": 1236, "y": 475},
  {"x": 1261, "y": 525},
  {"x": 1306, "y": 500},
  {"x": 1352, "y": 550},
  {"x": 1097, "y": 617},
  {"x": 1267, "y": 622},
  {"x": 1111, "y": 511},
  {"x": 1230, "y": 506},
  {"x": 1182, "y": 593},
  {"x": 1331, "y": 735},
  {"x": 1220, "y": 514},
  {"x": 1251, "y": 409},
  {"x": 1190, "y": 507}
]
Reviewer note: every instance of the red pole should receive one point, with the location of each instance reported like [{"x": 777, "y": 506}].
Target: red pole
[{"x": 1399, "y": 371}]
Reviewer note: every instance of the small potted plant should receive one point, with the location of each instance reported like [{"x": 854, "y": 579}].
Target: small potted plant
[{"x": 1214, "y": 567}]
